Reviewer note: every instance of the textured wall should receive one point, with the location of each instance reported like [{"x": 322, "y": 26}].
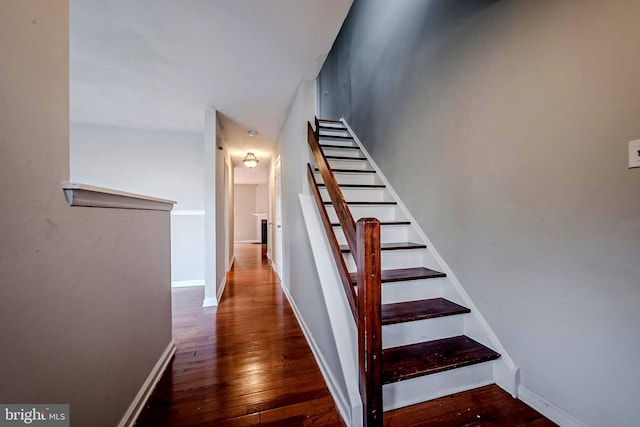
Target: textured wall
[
  {"x": 503, "y": 125},
  {"x": 85, "y": 311}
]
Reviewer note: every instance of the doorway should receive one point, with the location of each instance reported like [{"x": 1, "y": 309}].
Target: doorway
[{"x": 277, "y": 226}]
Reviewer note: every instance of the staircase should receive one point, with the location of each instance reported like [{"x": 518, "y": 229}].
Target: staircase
[{"x": 426, "y": 352}]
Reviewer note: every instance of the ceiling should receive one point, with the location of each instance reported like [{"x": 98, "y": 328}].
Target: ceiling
[{"x": 157, "y": 64}]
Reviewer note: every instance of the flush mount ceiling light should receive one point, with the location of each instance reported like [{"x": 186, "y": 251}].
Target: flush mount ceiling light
[
  {"x": 250, "y": 160},
  {"x": 253, "y": 132}
]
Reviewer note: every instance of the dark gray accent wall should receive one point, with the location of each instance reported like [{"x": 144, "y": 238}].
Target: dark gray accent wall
[{"x": 503, "y": 126}]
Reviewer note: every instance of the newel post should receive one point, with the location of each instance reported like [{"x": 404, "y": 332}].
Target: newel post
[{"x": 369, "y": 319}]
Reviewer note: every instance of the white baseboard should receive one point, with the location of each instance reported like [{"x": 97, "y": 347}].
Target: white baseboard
[
  {"x": 222, "y": 286},
  {"x": 210, "y": 302},
  {"x": 130, "y": 417},
  {"x": 548, "y": 409},
  {"x": 246, "y": 241},
  {"x": 187, "y": 283},
  {"x": 341, "y": 402}
]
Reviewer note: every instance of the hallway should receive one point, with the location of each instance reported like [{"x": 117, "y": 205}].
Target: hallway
[{"x": 245, "y": 363}]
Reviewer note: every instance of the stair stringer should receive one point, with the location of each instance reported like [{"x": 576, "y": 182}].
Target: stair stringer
[
  {"x": 343, "y": 327},
  {"x": 506, "y": 373}
]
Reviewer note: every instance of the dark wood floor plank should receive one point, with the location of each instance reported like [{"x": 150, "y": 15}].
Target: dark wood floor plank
[{"x": 243, "y": 363}]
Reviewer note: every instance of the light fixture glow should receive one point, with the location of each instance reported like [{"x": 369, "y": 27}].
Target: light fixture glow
[{"x": 250, "y": 160}]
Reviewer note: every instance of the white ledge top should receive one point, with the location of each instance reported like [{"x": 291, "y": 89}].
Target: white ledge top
[{"x": 99, "y": 197}]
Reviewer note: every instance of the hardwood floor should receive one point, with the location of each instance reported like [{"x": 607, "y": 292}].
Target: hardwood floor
[{"x": 247, "y": 363}]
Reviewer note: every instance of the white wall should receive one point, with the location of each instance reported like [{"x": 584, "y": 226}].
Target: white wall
[
  {"x": 250, "y": 199},
  {"x": 257, "y": 175},
  {"x": 245, "y": 207},
  {"x": 262, "y": 198},
  {"x": 85, "y": 311},
  {"x": 187, "y": 248},
  {"x": 299, "y": 276},
  {"x": 166, "y": 164},
  {"x": 218, "y": 221}
]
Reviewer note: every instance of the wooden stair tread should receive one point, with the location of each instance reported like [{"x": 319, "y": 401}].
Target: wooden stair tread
[
  {"x": 345, "y": 147},
  {"x": 356, "y": 185},
  {"x": 350, "y": 170},
  {"x": 329, "y": 121},
  {"x": 391, "y": 246},
  {"x": 406, "y": 274},
  {"x": 414, "y": 360},
  {"x": 382, "y": 223},
  {"x": 419, "y": 310},
  {"x": 366, "y": 203},
  {"x": 344, "y": 158}
]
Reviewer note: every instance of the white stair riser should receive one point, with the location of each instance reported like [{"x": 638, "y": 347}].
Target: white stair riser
[
  {"x": 349, "y": 164},
  {"x": 387, "y": 234},
  {"x": 422, "y": 330},
  {"x": 337, "y": 152},
  {"x": 402, "y": 258},
  {"x": 337, "y": 142},
  {"x": 383, "y": 213},
  {"x": 428, "y": 387},
  {"x": 337, "y": 124},
  {"x": 406, "y": 258},
  {"x": 335, "y": 131},
  {"x": 352, "y": 178},
  {"x": 413, "y": 290},
  {"x": 359, "y": 195}
]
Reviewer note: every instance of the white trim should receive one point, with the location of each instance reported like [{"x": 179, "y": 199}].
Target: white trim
[
  {"x": 233, "y": 259},
  {"x": 186, "y": 212},
  {"x": 329, "y": 379},
  {"x": 222, "y": 286},
  {"x": 129, "y": 418},
  {"x": 507, "y": 377},
  {"x": 99, "y": 197},
  {"x": 187, "y": 283},
  {"x": 548, "y": 409},
  {"x": 213, "y": 301},
  {"x": 210, "y": 302},
  {"x": 246, "y": 241}
]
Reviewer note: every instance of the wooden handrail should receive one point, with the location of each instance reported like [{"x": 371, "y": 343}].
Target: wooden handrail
[
  {"x": 335, "y": 247},
  {"x": 364, "y": 242},
  {"x": 335, "y": 194}
]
